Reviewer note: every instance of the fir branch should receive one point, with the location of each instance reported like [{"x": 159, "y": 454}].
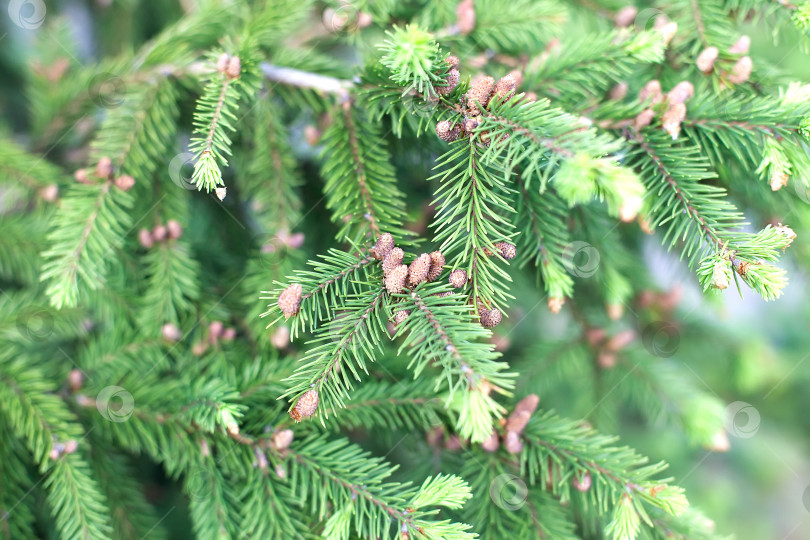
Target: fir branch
[
  {"x": 361, "y": 186},
  {"x": 91, "y": 223},
  {"x": 699, "y": 215},
  {"x": 558, "y": 451},
  {"x": 172, "y": 286},
  {"x": 443, "y": 331},
  {"x": 324, "y": 288},
  {"x": 340, "y": 351},
  {"x": 137, "y": 134},
  {"x": 304, "y": 79},
  {"x": 472, "y": 217},
  {"x": 358, "y": 483}
]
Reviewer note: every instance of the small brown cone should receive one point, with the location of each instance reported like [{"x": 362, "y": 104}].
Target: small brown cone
[
  {"x": 651, "y": 91},
  {"x": 518, "y": 76},
  {"x": 458, "y": 278},
  {"x": 778, "y": 180},
  {"x": 672, "y": 119},
  {"x": 625, "y": 16},
  {"x": 741, "y": 71},
  {"x": 583, "y": 482},
  {"x": 222, "y": 62},
  {"x": 512, "y": 442},
  {"x": 741, "y": 46},
  {"x": 174, "y": 229},
  {"x": 450, "y": 82},
  {"x": 506, "y": 87},
  {"x": 465, "y": 16},
  {"x": 680, "y": 93},
  {"x": 452, "y": 61},
  {"x": 436, "y": 266},
  {"x": 400, "y": 316},
  {"x": 234, "y": 68},
  {"x": 306, "y": 405},
  {"x": 720, "y": 276},
  {"x": 392, "y": 260},
  {"x": 491, "y": 443},
  {"x": 124, "y": 182},
  {"x": 290, "y": 300},
  {"x": 385, "y": 243},
  {"x": 395, "y": 280},
  {"x": 555, "y": 304},
  {"x": 281, "y": 439},
  {"x": 643, "y": 119},
  {"x": 104, "y": 167},
  {"x": 81, "y": 176},
  {"x": 706, "y": 59},
  {"x": 419, "y": 269},
  {"x": 159, "y": 233},
  {"x": 448, "y": 131},
  {"x": 479, "y": 94},
  {"x": 145, "y": 238},
  {"x": 619, "y": 92},
  {"x": 490, "y": 318},
  {"x": 508, "y": 251}
]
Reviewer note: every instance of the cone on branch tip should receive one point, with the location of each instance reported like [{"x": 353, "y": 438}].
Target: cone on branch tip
[
  {"x": 395, "y": 280},
  {"x": 385, "y": 243},
  {"x": 392, "y": 260},
  {"x": 400, "y": 316},
  {"x": 450, "y": 83},
  {"x": 490, "y": 318},
  {"x": 306, "y": 405},
  {"x": 448, "y": 131},
  {"x": 479, "y": 94},
  {"x": 290, "y": 300},
  {"x": 458, "y": 278},
  {"x": 419, "y": 270},
  {"x": 436, "y": 265}
]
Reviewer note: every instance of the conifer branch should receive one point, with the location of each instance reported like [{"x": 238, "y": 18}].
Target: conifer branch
[
  {"x": 90, "y": 224},
  {"x": 305, "y": 79}
]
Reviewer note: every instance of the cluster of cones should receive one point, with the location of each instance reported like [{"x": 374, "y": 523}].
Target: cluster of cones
[
  {"x": 739, "y": 72},
  {"x": 171, "y": 231},
  {"x": 230, "y": 66},
  {"x": 104, "y": 171},
  {"x": 426, "y": 267},
  {"x": 477, "y": 100}
]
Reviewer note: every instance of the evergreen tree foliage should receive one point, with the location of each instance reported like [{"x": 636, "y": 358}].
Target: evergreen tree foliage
[{"x": 264, "y": 257}]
